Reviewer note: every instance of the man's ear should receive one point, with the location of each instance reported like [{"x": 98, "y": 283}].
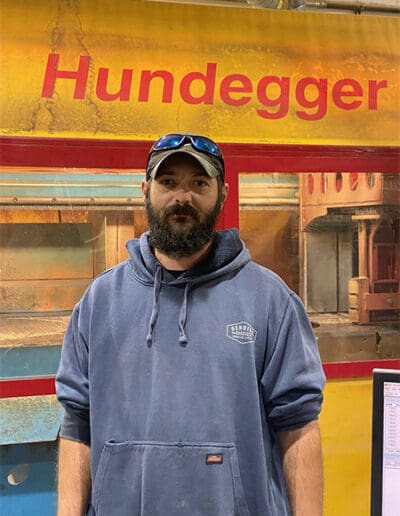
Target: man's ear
[
  {"x": 145, "y": 187},
  {"x": 225, "y": 191}
]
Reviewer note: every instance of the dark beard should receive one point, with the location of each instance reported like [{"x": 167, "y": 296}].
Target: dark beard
[{"x": 179, "y": 242}]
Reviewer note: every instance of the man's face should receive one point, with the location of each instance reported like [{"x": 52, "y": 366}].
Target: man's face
[{"x": 182, "y": 205}]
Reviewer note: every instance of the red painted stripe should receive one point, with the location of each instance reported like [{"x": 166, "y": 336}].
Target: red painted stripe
[
  {"x": 244, "y": 157},
  {"x": 357, "y": 369},
  {"x": 27, "y": 387},
  {"x": 43, "y": 386}
]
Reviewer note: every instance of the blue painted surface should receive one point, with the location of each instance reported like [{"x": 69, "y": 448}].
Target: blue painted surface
[
  {"x": 36, "y": 496},
  {"x": 71, "y": 191},
  {"x": 20, "y": 361},
  {"x": 89, "y": 178},
  {"x": 90, "y": 185},
  {"x": 291, "y": 178},
  {"x": 30, "y": 419}
]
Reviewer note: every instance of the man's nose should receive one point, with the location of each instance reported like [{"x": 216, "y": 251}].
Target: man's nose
[{"x": 183, "y": 195}]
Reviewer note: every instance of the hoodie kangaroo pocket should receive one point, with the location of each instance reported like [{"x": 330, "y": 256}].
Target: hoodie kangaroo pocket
[{"x": 168, "y": 479}]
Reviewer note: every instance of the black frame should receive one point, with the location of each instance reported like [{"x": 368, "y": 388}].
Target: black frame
[{"x": 380, "y": 376}]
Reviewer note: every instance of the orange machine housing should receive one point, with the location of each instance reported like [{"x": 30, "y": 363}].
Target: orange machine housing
[{"x": 372, "y": 201}]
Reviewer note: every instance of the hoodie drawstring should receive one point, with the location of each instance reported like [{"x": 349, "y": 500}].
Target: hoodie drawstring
[
  {"x": 154, "y": 311},
  {"x": 182, "y": 318}
]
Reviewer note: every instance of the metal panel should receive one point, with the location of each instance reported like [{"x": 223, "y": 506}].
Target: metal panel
[
  {"x": 41, "y": 295},
  {"x": 321, "y": 264},
  {"x": 28, "y": 480},
  {"x": 272, "y": 239},
  {"x": 270, "y": 188},
  {"x": 32, "y": 330},
  {"x": 19, "y": 361},
  {"x": 345, "y": 264},
  {"x": 71, "y": 187},
  {"x": 385, "y": 301},
  {"x": 29, "y": 419},
  {"x": 45, "y": 251}
]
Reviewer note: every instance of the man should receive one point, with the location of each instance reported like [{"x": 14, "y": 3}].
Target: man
[{"x": 190, "y": 375}]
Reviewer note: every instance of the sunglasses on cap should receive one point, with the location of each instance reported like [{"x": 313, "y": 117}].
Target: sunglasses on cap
[{"x": 199, "y": 143}]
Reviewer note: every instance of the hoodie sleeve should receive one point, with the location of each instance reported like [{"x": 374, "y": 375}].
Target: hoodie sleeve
[
  {"x": 72, "y": 384},
  {"x": 293, "y": 379}
]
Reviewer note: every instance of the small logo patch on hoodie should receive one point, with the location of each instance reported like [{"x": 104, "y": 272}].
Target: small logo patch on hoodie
[
  {"x": 242, "y": 332},
  {"x": 214, "y": 458}
]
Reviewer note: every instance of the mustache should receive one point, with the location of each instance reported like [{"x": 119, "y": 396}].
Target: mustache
[{"x": 182, "y": 209}]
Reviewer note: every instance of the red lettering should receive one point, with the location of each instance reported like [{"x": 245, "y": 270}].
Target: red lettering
[
  {"x": 124, "y": 90},
  {"x": 309, "y": 98},
  {"x": 227, "y": 88},
  {"x": 319, "y": 102},
  {"x": 373, "y": 88},
  {"x": 53, "y": 73},
  {"x": 208, "y": 79},
  {"x": 340, "y": 90},
  {"x": 147, "y": 76},
  {"x": 281, "y": 100}
]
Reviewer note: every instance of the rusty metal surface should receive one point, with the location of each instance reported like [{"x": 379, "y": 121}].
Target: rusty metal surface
[
  {"x": 23, "y": 330},
  {"x": 38, "y": 296},
  {"x": 46, "y": 251},
  {"x": 272, "y": 239}
]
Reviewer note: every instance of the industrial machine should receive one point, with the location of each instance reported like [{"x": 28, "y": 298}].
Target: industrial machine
[
  {"x": 58, "y": 229},
  {"x": 367, "y": 206}
]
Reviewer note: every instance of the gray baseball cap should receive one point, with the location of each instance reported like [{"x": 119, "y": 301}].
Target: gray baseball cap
[{"x": 211, "y": 165}]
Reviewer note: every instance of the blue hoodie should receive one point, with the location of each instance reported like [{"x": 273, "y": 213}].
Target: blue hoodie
[{"x": 180, "y": 385}]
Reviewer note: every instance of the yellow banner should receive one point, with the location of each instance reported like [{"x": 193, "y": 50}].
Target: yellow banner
[{"x": 135, "y": 70}]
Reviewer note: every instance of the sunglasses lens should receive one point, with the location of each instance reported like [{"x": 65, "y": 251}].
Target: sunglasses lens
[
  {"x": 205, "y": 145},
  {"x": 200, "y": 143},
  {"x": 170, "y": 141}
]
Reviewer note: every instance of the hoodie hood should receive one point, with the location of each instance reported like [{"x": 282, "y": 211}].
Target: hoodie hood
[{"x": 227, "y": 255}]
